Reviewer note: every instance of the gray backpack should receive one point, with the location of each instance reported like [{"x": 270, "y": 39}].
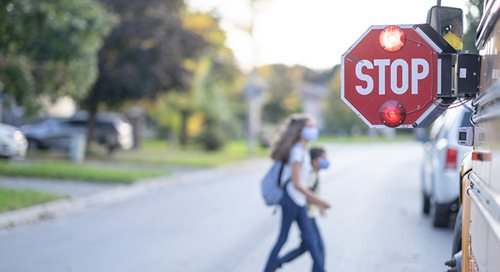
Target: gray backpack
[{"x": 270, "y": 185}]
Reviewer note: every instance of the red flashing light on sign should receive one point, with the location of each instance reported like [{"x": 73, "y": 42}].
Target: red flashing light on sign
[
  {"x": 392, "y": 38},
  {"x": 413, "y": 75},
  {"x": 392, "y": 113}
]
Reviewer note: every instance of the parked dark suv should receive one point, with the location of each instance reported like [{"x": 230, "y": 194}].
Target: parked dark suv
[{"x": 112, "y": 131}]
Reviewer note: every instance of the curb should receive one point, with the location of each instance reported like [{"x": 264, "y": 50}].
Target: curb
[{"x": 62, "y": 207}]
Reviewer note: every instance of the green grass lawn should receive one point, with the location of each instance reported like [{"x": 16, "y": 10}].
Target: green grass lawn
[
  {"x": 158, "y": 152},
  {"x": 233, "y": 147},
  {"x": 11, "y": 199},
  {"x": 72, "y": 171}
]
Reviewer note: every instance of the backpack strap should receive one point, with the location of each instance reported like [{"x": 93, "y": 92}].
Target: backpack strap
[
  {"x": 280, "y": 174},
  {"x": 315, "y": 185}
]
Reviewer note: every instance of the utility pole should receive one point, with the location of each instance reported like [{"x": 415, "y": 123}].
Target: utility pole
[
  {"x": 253, "y": 91},
  {"x": 1, "y": 101}
]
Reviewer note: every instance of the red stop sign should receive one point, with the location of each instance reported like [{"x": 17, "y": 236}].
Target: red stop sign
[{"x": 392, "y": 76}]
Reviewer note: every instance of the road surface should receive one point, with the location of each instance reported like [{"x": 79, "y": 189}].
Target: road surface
[{"x": 215, "y": 220}]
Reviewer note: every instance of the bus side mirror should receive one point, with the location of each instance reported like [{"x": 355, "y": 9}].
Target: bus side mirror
[{"x": 449, "y": 23}]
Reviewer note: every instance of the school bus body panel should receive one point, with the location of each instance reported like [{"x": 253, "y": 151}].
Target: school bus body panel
[
  {"x": 465, "y": 201},
  {"x": 482, "y": 203}
]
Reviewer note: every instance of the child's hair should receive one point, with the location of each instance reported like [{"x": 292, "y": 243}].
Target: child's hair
[
  {"x": 289, "y": 134},
  {"x": 316, "y": 152}
]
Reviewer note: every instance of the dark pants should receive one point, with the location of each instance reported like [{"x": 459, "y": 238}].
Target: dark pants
[
  {"x": 290, "y": 256},
  {"x": 292, "y": 212}
]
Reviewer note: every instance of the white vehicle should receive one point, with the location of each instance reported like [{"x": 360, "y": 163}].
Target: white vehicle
[
  {"x": 440, "y": 168},
  {"x": 13, "y": 144}
]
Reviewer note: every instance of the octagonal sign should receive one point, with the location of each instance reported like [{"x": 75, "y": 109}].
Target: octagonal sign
[{"x": 392, "y": 76}]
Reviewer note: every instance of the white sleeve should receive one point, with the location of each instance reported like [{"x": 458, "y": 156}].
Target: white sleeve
[{"x": 296, "y": 155}]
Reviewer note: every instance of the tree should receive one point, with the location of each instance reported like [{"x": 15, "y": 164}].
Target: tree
[
  {"x": 339, "y": 118},
  {"x": 213, "y": 96},
  {"x": 144, "y": 55},
  {"x": 49, "y": 47},
  {"x": 473, "y": 16},
  {"x": 215, "y": 82},
  {"x": 282, "y": 91}
]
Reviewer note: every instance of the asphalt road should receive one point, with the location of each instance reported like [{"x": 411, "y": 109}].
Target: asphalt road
[{"x": 216, "y": 221}]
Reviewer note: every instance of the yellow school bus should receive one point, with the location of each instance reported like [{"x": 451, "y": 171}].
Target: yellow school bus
[
  {"x": 480, "y": 174},
  {"x": 476, "y": 244}
]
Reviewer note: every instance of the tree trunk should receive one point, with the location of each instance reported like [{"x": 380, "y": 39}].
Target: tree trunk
[
  {"x": 136, "y": 118},
  {"x": 183, "y": 134}
]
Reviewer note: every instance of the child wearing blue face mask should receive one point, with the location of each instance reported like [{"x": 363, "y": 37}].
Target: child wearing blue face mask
[{"x": 318, "y": 162}]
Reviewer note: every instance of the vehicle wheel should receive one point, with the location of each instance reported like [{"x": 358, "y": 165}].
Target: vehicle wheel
[
  {"x": 33, "y": 145},
  {"x": 426, "y": 203},
  {"x": 111, "y": 149},
  {"x": 36, "y": 145},
  {"x": 440, "y": 215}
]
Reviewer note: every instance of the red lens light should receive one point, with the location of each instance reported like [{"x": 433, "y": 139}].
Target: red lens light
[
  {"x": 451, "y": 158},
  {"x": 392, "y": 38},
  {"x": 392, "y": 113},
  {"x": 481, "y": 156}
]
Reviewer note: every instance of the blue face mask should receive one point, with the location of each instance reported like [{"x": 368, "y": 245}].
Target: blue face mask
[
  {"x": 323, "y": 163},
  {"x": 310, "y": 133}
]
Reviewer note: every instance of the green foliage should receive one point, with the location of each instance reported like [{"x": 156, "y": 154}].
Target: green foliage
[
  {"x": 18, "y": 79},
  {"x": 283, "y": 96},
  {"x": 209, "y": 99},
  {"x": 144, "y": 55},
  {"x": 212, "y": 93},
  {"x": 208, "y": 92},
  {"x": 49, "y": 47},
  {"x": 165, "y": 113},
  {"x": 52, "y": 30},
  {"x": 215, "y": 90},
  {"x": 473, "y": 16},
  {"x": 213, "y": 96},
  {"x": 11, "y": 199},
  {"x": 282, "y": 91},
  {"x": 338, "y": 117},
  {"x": 212, "y": 138}
]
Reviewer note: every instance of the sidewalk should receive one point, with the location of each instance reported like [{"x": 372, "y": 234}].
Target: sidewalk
[
  {"x": 79, "y": 196},
  {"x": 84, "y": 195}
]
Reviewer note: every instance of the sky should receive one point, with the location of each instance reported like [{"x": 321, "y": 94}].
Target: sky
[{"x": 313, "y": 33}]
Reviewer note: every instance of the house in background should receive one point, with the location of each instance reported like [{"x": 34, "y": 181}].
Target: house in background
[
  {"x": 11, "y": 113},
  {"x": 62, "y": 107}
]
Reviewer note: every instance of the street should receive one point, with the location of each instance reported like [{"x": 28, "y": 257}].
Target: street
[{"x": 215, "y": 220}]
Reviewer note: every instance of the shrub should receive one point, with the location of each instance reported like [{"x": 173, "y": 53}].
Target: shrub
[{"x": 212, "y": 138}]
